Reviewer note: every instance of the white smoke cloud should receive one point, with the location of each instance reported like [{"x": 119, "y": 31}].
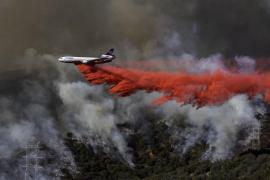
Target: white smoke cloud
[
  {"x": 94, "y": 115},
  {"x": 23, "y": 125},
  {"x": 27, "y": 118},
  {"x": 218, "y": 126},
  {"x": 245, "y": 64},
  {"x": 210, "y": 64}
]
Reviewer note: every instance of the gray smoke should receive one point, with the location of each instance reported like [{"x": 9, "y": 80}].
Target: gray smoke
[
  {"x": 218, "y": 126},
  {"x": 28, "y": 117},
  {"x": 246, "y": 64},
  {"x": 94, "y": 117}
]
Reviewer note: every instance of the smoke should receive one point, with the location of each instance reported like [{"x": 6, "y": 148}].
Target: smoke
[
  {"x": 246, "y": 64},
  {"x": 219, "y": 126},
  {"x": 94, "y": 116},
  {"x": 28, "y": 108}
]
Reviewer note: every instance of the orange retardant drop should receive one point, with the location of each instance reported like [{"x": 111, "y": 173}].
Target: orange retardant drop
[{"x": 196, "y": 89}]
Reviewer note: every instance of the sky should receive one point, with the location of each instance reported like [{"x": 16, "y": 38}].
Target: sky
[{"x": 90, "y": 27}]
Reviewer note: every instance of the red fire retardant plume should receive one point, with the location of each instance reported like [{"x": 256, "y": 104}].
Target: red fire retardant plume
[{"x": 196, "y": 89}]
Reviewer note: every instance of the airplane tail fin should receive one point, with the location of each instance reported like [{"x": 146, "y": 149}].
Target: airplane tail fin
[{"x": 110, "y": 52}]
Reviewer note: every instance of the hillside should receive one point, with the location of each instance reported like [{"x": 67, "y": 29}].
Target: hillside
[{"x": 159, "y": 161}]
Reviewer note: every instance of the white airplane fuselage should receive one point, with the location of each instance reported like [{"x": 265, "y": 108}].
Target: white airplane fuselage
[
  {"x": 86, "y": 60},
  {"x": 104, "y": 58}
]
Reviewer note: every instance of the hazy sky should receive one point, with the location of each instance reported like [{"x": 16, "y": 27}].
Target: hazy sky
[
  {"x": 87, "y": 27},
  {"x": 226, "y": 26}
]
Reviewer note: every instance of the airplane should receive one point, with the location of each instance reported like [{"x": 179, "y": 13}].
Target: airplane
[{"x": 104, "y": 58}]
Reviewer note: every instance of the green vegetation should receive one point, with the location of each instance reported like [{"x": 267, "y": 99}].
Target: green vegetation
[{"x": 158, "y": 161}]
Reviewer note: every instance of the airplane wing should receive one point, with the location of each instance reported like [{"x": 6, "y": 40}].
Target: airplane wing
[{"x": 90, "y": 60}]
